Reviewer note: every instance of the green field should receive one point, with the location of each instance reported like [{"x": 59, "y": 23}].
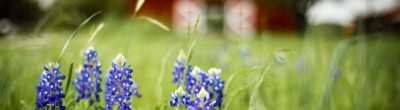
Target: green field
[{"x": 271, "y": 71}]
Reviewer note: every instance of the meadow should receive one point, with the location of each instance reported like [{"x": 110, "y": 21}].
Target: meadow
[{"x": 269, "y": 72}]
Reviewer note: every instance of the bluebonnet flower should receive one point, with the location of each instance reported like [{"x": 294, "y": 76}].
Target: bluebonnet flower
[
  {"x": 179, "y": 68},
  {"x": 204, "y": 90},
  {"x": 88, "y": 82},
  {"x": 208, "y": 89},
  {"x": 49, "y": 92},
  {"x": 218, "y": 85},
  {"x": 202, "y": 101},
  {"x": 193, "y": 81},
  {"x": 119, "y": 85},
  {"x": 175, "y": 96}
]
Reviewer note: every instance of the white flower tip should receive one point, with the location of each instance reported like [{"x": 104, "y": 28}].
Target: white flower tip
[
  {"x": 120, "y": 56},
  {"x": 79, "y": 69},
  {"x": 196, "y": 70},
  {"x": 90, "y": 48},
  {"x": 214, "y": 71},
  {"x": 51, "y": 65},
  {"x": 182, "y": 56},
  {"x": 180, "y": 91},
  {"x": 203, "y": 93},
  {"x": 119, "y": 59}
]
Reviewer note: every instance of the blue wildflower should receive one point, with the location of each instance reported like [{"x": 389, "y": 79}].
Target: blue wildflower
[
  {"x": 218, "y": 85},
  {"x": 88, "y": 82},
  {"x": 179, "y": 68},
  {"x": 193, "y": 81},
  {"x": 202, "y": 101},
  {"x": 49, "y": 92},
  {"x": 208, "y": 89},
  {"x": 204, "y": 90},
  {"x": 179, "y": 93},
  {"x": 119, "y": 85}
]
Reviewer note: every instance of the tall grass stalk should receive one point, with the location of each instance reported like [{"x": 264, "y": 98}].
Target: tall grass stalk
[
  {"x": 72, "y": 36},
  {"x": 155, "y": 22},
  {"x": 139, "y": 5},
  {"x": 95, "y": 32},
  {"x": 191, "y": 43},
  {"x": 160, "y": 80},
  {"x": 261, "y": 78},
  {"x": 334, "y": 72},
  {"x": 71, "y": 69},
  {"x": 234, "y": 95}
]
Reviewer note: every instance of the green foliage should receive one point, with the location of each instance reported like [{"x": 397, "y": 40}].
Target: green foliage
[{"x": 369, "y": 82}]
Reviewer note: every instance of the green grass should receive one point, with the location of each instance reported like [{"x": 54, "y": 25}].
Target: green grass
[{"x": 367, "y": 79}]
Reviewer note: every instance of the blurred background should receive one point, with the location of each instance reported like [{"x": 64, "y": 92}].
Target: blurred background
[
  {"x": 235, "y": 18},
  {"x": 320, "y": 54}
]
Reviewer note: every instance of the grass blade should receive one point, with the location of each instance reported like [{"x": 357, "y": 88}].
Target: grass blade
[
  {"x": 99, "y": 27},
  {"x": 235, "y": 94},
  {"x": 332, "y": 73},
  {"x": 71, "y": 67},
  {"x": 156, "y": 22},
  {"x": 197, "y": 22},
  {"x": 139, "y": 5},
  {"x": 190, "y": 39},
  {"x": 228, "y": 82},
  {"x": 190, "y": 53},
  {"x": 188, "y": 35},
  {"x": 260, "y": 80},
  {"x": 75, "y": 33},
  {"x": 162, "y": 73}
]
